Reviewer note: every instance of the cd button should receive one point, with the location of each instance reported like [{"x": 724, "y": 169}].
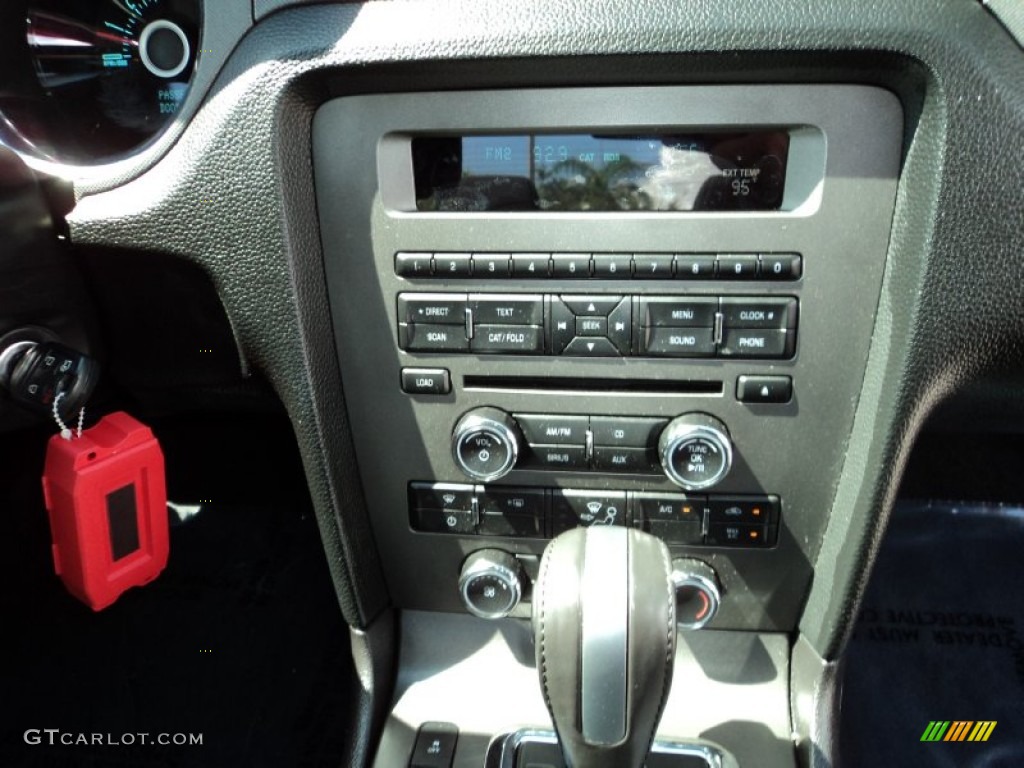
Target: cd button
[{"x": 626, "y": 431}]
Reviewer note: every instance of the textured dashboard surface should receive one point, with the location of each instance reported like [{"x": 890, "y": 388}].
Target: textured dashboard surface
[{"x": 235, "y": 195}]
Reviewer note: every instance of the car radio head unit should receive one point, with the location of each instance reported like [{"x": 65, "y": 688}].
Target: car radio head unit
[{"x": 666, "y": 171}]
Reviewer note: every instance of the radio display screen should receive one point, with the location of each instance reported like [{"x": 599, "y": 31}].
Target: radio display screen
[{"x": 709, "y": 171}]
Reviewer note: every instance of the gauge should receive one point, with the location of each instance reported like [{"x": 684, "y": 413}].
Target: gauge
[{"x": 112, "y": 74}]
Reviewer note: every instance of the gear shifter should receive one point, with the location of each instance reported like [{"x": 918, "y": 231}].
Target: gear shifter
[{"x": 605, "y": 627}]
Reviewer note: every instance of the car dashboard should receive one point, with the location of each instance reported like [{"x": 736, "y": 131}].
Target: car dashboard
[{"x": 702, "y": 270}]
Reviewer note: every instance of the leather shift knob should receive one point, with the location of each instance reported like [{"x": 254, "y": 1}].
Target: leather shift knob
[{"x": 604, "y": 619}]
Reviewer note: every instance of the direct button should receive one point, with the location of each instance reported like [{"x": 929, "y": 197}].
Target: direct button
[
  {"x": 545, "y": 429},
  {"x": 426, "y": 381},
  {"x": 440, "y": 308},
  {"x": 502, "y": 309}
]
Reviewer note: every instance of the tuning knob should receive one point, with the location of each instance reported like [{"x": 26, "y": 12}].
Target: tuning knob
[
  {"x": 485, "y": 443},
  {"x": 491, "y": 583},
  {"x": 697, "y": 592},
  {"x": 695, "y": 451}
]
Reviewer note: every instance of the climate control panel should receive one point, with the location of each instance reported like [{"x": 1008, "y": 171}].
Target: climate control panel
[{"x": 747, "y": 521}]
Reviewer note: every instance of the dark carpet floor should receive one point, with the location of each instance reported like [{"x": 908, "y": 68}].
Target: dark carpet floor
[{"x": 940, "y": 638}]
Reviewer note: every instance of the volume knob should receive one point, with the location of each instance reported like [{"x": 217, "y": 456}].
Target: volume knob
[
  {"x": 695, "y": 451},
  {"x": 485, "y": 443}
]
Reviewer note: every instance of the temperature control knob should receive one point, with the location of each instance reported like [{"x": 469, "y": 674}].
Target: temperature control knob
[
  {"x": 695, "y": 451},
  {"x": 697, "y": 592},
  {"x": 485, "y": 443},
  {"x": 491, "y": 583}
]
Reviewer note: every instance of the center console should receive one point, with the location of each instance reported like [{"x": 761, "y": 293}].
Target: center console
[{"x": 644, "y": 307}]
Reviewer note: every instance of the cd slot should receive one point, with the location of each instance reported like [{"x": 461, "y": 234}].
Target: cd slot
[{"x": 565, "y": 384}]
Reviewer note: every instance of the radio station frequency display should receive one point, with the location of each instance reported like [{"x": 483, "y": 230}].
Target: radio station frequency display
[{"x": 711, "y": 171}]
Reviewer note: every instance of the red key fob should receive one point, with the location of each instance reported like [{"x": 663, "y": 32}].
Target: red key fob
[{"x": 107, "y": 499}]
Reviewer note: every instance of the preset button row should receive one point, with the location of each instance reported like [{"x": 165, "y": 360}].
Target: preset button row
[{"x": 617, "y": 266}]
